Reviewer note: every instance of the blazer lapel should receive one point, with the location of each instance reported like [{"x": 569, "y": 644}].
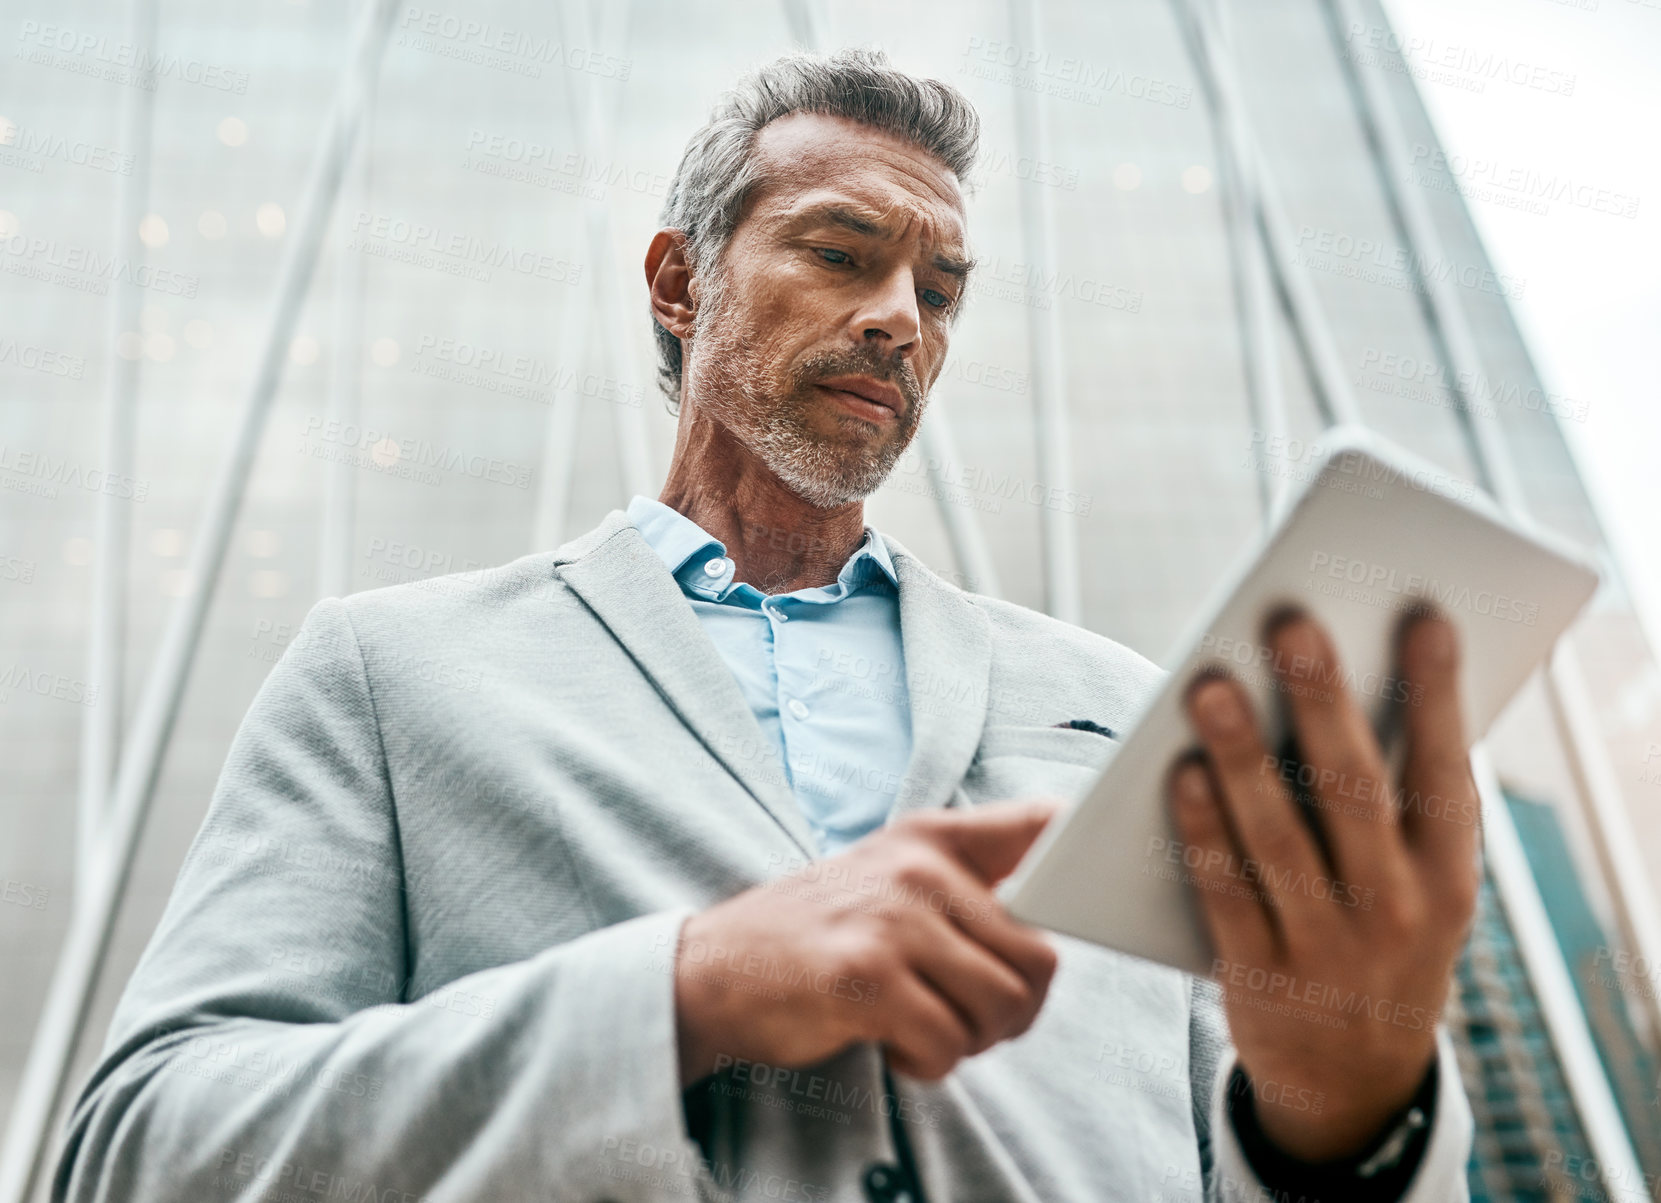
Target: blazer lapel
[
  {"x": 948, "y": 659},
  {"x": 616, "y": 573}
]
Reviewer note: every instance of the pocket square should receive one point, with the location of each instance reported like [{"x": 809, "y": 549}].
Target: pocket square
[{"x": 1084, "y": 724}]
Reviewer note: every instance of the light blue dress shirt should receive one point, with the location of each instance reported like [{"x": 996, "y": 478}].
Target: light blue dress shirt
[{"x": 823, "y": 669}]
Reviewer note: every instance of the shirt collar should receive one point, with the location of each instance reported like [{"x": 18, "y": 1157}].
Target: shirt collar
[{"x": 677, "y": 539}]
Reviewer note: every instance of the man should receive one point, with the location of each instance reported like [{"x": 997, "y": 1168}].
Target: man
[{"x": 661, "y": 865}]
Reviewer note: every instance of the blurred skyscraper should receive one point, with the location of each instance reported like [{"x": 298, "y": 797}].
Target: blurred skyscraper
[{"x": 1206, "y": 233}]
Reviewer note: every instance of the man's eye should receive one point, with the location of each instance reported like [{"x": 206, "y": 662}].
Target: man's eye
[
  {"x": 829, "y": 251},
  {"x": 937, "y": 298}
]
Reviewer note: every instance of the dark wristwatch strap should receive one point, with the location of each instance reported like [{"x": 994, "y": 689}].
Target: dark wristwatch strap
[{"x": 1379, "y": 1173}]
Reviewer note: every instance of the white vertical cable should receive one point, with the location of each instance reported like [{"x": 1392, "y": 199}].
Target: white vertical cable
[
  {"x": 64, "y": 1012},
  {"x": 112, "y": 543},
  {"x": 559, "y": 447},
  {"x": 1302, "y": 303},
  {"x": 1063, "y": 594},
  {"x": 1254, "y": 296},
  {"x": 969, "y": 545},
  {"x": 593, "y": 114},
  {"x": 340, "y": 495},
  {"x": 806, "y": 23}
]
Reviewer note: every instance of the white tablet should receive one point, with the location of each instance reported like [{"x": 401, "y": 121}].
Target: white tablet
[{"x": 1374, "y": 532}]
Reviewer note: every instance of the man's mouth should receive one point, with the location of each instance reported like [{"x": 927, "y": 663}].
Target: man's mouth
[{"x": 877, "y": 400}]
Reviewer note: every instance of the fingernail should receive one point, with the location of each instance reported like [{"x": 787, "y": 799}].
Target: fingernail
[
  {"x": 1279, "y": 617},
  {"x": 1190, "y": 786},
  {"x": 1437, "y": 643},
  {"x": 1206, "y": 672},
  {"x": 1218, "y": 709},
  {"x": 1296, "y": 640}
]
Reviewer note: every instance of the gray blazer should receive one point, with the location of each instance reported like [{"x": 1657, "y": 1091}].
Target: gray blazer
[{"x": 421, "y": 947}]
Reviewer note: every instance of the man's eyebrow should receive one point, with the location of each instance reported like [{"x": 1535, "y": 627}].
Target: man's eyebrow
[{"x": 868, "y": 225}]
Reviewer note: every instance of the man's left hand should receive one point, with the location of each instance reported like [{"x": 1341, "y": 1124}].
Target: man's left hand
[{"x": 1335, "y": 964}]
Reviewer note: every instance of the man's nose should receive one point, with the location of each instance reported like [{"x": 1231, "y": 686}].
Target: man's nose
[{"x": 889, "y": 314}]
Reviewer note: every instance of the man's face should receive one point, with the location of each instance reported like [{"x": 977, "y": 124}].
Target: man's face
[{"x": 841, "y": 279}]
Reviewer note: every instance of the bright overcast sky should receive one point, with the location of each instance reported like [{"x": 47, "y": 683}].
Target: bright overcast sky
[{"x": 1591, "y": 308}]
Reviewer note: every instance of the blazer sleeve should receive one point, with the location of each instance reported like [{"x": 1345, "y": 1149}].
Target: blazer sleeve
[
  {"x": 1229, "y": 1177},
  {"x": 263, "y": 1046}
]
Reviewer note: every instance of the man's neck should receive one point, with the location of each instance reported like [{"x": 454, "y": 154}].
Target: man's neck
[{"x": 778, "y": 542}]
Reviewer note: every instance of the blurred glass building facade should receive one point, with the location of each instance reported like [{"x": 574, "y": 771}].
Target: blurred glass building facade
[{"x": 1206, "y": 232}]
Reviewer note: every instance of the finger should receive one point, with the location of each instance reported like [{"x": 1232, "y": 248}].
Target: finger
[
  {"x": 923, "y": 1035},
  {"x": 988, "y": 840},
  {"x": 1336, "y": 741},
  {"x": 947, "y": 888},
  {"x": 1239, "y": 918},
  {"x": 992, "y": 999},
  {"x": 1265, "y": 821},
  {"x": 1441, "y": 813}
]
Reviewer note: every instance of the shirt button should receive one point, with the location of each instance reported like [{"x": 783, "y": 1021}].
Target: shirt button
[
  {"x": 798, "y": 708},
  {"x": 886, "y": 1184},
  {"x": 715, "y": 567}
]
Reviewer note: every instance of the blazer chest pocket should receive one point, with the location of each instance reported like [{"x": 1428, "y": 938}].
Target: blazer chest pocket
[{"x": 1029, "y": 761}]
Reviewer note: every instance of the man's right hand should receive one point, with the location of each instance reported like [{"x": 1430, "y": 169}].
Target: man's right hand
[{"x": 898, "y": 940}]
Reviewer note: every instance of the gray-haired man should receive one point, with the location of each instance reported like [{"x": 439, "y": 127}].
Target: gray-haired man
[{"x": 684, "y": 886}]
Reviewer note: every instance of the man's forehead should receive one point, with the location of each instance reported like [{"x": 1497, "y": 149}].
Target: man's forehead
[{"x": 808, "y": 160}]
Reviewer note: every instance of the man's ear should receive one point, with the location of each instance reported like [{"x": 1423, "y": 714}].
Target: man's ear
[{"x": 669, "y": 282}]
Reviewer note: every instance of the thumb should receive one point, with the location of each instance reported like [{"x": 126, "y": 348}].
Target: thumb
[{"x": 989, "y": 840}]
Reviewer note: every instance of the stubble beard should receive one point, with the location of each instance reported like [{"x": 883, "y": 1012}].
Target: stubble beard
[{"x": 730, "y": 382}]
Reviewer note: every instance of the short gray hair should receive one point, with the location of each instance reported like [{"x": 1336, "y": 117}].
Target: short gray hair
[{"x": 718, "y": 170}]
